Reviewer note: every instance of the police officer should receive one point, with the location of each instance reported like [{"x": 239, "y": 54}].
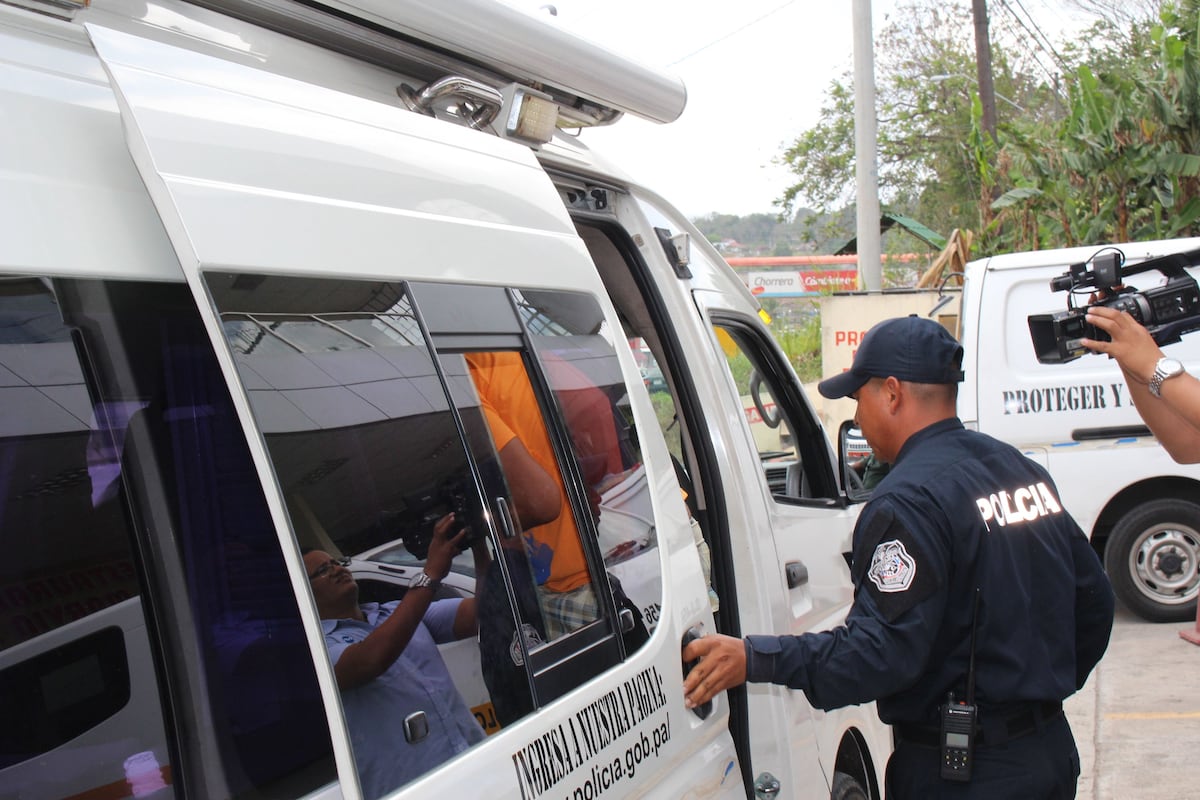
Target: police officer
[{"x": 963, "y": 548}]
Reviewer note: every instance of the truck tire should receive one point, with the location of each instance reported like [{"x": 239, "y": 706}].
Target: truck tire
[
  {"x": 847, "y": 787},
  {"x": 1153, "y": 560}
]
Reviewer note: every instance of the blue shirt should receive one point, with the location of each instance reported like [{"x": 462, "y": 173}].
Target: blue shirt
[
  {"x": 959, "y": 511},
  {"x": 416, "y": 681}
]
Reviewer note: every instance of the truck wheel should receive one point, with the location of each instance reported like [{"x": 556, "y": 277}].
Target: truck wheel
[
  {"x": 1153, "y": 560},
  {"x": 846, "y": 787}
]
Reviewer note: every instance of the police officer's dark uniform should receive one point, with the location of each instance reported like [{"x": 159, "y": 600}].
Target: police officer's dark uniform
[{"x": 958, "y": 511}]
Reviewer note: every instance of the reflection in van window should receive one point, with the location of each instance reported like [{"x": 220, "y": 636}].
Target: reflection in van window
[
  {"x": 143, "y": 425},
  {"x": 575, "y": 349},
  {"x": 71, "y": 619},
  {"x": 542, "y": 512},
  {"x": 488, "y": 459},
  {"x": 373, "y": 465}
]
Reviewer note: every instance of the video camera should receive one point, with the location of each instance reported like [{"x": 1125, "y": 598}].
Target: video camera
[
  {"x": 426, "y": 508},
  {"x": 1166, "y": 311}
]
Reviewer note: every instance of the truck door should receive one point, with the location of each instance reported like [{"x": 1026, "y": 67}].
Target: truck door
[{"x": 358, "y": 268}]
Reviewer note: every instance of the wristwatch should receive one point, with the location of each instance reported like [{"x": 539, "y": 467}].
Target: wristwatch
[
  {"x": 422, "y": 580},
  {"x": 1165, "y": 368}
]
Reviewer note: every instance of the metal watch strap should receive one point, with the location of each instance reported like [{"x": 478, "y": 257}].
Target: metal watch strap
[
  {"x": 1164, "y": 368},
  {"x": 422, "y": 580}
]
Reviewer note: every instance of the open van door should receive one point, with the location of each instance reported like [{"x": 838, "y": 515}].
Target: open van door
[{"x": 806, "y": 531}]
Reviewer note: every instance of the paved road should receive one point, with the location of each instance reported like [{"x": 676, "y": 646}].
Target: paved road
[{"x": 1137, "y": 720}]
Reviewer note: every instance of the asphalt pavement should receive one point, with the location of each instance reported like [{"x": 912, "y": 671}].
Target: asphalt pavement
[{"x": 1137, "y": 720}]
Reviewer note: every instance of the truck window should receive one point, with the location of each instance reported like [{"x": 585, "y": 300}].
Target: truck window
[
  {"x": 384, "y": 408},
  {"x": 122, "y": 456}
]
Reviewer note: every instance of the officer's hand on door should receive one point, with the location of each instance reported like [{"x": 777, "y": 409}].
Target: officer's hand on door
[{"x": 722, "y": 666}]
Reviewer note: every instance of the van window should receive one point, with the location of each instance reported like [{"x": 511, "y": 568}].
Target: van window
[
  {"x": 121, "y": 458},
  {"x": 71, "y": 618},
  {"x": 574, "y": 347},
  {"x": 791, "y": 445},
  {"x": 385, "y": 408}
]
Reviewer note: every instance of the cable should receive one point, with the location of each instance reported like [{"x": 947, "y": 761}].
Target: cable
[
  {"x": 1049, "y": 45},
  {"x": 718, "y": 40},
  {"x": 1038, "y": 38}
]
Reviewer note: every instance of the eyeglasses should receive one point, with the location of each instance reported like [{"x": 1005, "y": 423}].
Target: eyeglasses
[{"x": 323, "y": 570}]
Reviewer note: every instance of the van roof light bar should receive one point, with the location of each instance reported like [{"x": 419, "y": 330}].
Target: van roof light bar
[
  {"x": 529, "y": 116},
  {"x": 529, "y": 50}
]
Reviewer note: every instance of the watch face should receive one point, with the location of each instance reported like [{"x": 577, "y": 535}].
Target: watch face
[{"x": 1165, "y": 368}]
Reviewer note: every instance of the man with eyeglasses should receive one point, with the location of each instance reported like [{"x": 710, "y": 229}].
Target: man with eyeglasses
[{"x": 402, "y": 709}]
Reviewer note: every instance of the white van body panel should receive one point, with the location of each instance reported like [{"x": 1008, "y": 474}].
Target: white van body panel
[
  {"x": 1129, "y": 461},
  {"x": 228, "y": 165},
  {"x": 60, "y": 85},
  {"x": 155, "y": 142}
]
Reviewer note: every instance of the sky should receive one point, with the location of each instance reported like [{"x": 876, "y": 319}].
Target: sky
[{"x": 756, "y": 73}]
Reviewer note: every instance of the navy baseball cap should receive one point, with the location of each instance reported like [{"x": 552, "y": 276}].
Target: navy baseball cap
[{"x": 908, "y": 348}]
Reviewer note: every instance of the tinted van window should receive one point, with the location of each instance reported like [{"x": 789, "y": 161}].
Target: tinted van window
[
  {"x": 146, "y": 560},
  {"x": 385, "y": 409}
]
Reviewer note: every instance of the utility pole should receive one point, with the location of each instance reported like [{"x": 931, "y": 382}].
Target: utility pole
[
  {"x": 983, "y": 65},
  {"x": 987, "y": 98},
  {"x": 870, "y": 269}
]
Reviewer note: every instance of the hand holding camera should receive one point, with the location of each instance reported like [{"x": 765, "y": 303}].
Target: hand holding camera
[
  {"x": 1129, "y": 342},
  {"x": 1165, "y": 312},
  {"x": 447, "y": 541}
]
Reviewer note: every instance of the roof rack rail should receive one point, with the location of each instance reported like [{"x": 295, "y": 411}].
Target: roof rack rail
[{"x": 485, "y": 40}]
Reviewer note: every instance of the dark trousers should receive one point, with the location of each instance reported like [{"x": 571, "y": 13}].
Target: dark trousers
[{"x": 1042, "y": 765}]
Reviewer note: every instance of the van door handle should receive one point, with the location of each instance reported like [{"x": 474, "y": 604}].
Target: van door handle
[
  {"x": 507, "y": 529},
  {"x": 693, "y": 633},
  {"x": 797, "y": 574}
]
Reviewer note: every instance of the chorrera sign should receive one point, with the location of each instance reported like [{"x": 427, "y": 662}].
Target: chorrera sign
[{"x": 801, "y": 283}]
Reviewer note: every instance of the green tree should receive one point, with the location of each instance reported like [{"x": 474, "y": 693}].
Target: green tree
[
  {"x": 1109, "y": 150},
  {"x": 933, "y": 163},
  {"x": 1124, "y": 162}
]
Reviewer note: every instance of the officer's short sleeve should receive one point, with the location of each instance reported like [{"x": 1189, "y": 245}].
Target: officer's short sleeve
[{"x": 891, "y": 564}]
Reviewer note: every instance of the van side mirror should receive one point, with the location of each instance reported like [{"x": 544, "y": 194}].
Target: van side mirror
[{"x": 859, "y": 469}]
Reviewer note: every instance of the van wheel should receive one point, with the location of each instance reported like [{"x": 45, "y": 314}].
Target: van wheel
[
  {"x": 1153, "y": 560},
  {"x": 847, "y": 787}
]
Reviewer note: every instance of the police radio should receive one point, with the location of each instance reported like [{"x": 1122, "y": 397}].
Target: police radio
[{"x": 960, "y": 720}]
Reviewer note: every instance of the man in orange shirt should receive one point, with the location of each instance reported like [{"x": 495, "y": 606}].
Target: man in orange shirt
[{"x": 539, "y": 497}]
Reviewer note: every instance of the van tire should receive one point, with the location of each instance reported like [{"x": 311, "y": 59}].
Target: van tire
[
  {"x": 1153, "y": 560},
  {"x": 847, "y": 787}
]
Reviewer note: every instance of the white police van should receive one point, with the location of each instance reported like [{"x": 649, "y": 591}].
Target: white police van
[
  {"x": 1140, "y": 508},
  {"x": 249, "y": 253}
]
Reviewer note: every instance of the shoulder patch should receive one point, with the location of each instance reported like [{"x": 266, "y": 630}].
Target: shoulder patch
[
  {"x": 871, "y": 528},
  {"x": 892, "y": 568}
]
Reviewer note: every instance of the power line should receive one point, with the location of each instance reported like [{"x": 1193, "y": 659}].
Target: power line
[
  {"x": 1058, "y": 59},
  {"x": 733, "y": 32},
  {"x": 1040, "y": 41}
]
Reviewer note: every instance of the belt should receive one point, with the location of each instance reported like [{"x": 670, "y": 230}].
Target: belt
[{"x": 997, "y": 725}]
